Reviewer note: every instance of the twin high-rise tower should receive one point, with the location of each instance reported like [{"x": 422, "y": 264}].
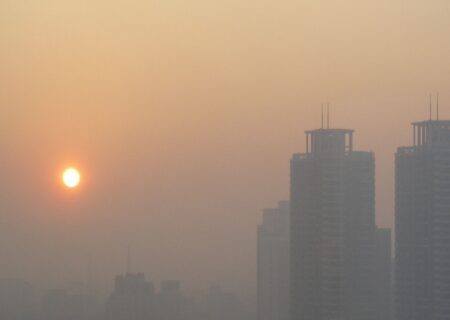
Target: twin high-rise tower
[
  {"x": 334, "y": 238},
  {"x": 423, "y": 224},
  {"x": 340, "y": 262}
]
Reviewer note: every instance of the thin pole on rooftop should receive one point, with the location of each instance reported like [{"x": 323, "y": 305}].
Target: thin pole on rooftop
[
  {"x": 437, "y": 106},
  {"x": 322, "y": 115},
  {"x": 328, "y": 116},
  {"x": 129, "y": 259},
  {"x": 431, "y": 109}
]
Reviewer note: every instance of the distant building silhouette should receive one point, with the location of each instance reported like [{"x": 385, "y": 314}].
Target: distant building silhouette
[
  {"x": 136, "y": 299},
  {"x": 133, "y": 299},
  {"x": 222, "y": 305},
  {"x": 16, "y": 300},
  {"x": 333, "y": 231},
  {"x": 423, "y": 224},
  {"x": 170, "y": 301},
  {"x": 273, "y": 264},
  {"x": 60, "y": 304},
  {"x": 171, "y": 304},
  {"x": 383, "y": 276}
]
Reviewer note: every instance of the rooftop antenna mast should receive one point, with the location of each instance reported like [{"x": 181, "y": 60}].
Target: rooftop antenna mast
[
  {"x": 328, "y": 115},
  {"x": 89, "y": 276},
  {"x": 322, "y": 115},
  {"x": 431, "y": 108},
  {"x": 437, "y": 106},
  {"x": 129, "y": 259}
]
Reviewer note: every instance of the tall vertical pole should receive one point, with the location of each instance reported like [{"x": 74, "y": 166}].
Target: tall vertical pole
[
  {"x": 129, "y": 259},
  {"x": 351, "y": 142},
  {"x": 89, "y": 276},
  {"x": 328, "y": 116},
  {"x": 322, "y": 115},
  {"x": 437, "y": 106},
  {"x": 307, "y": 142},
  {"x": 431, "y": 109},
  {"x": 424, "y": 132},
  {"x": 415, "y": 134},
  {"x": 419, "y": 135}
]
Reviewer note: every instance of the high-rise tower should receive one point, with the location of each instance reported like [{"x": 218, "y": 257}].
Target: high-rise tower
[
  {"x": 273, "y": 264},
  {"x": 333, "y": 230},
  {"x": 423, "y": 224}
]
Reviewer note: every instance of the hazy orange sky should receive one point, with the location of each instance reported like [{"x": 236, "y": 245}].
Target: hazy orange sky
[{"x": 183, "y": 116}]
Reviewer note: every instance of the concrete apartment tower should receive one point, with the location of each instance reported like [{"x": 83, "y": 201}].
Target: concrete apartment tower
[
  {"x": 423, "y": 224},
  {"x": 273, "y": 264},
  {"x": 333, "y": 232}
]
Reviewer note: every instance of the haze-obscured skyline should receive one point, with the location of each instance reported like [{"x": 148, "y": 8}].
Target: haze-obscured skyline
[{"x": 183, "y": 116}]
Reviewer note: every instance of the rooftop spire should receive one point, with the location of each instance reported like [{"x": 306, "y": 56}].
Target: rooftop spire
[
  {"x": 322, "y": 115},
  {"x": 328, "y": 115},
  {"x": 431, "y": 109},
  {"x": 129, "y": 259},
  {"x": 437, "y": 106},
  {"x": 89, "y": 276}
]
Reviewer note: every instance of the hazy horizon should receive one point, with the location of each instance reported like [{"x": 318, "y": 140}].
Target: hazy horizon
[{"x": 183, "y": 116}]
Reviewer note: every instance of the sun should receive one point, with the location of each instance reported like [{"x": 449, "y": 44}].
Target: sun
[{"x": 71, "y": 178}]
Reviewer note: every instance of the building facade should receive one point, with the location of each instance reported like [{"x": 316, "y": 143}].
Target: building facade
[
  {"x": 133, "y": 299},
  {"x": 273, "y": 264},
  {"x": 16, "y": 299},
  {"x": 384, "y": 274},
  {"x": 423, "y": 224},
  {"x": 333, "y": 229}
]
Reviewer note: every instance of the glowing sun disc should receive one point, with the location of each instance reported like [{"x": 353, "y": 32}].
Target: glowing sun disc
[{"x": 71, "y": 178}]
